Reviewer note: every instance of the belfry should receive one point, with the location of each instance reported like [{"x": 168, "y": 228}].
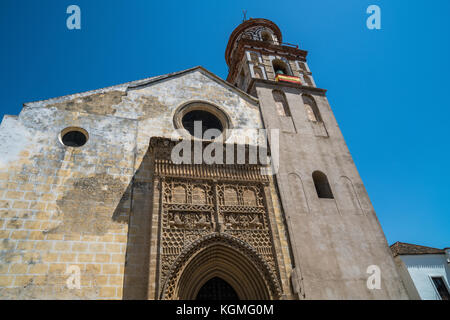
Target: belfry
[{"x": 90, "y": 181}]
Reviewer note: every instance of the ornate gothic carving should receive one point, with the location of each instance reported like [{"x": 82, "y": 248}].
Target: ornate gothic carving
[
  {"x": 256, "y": 33},
  {"x": 198, "y": 204},
  {"x": 268, "y": 273}
]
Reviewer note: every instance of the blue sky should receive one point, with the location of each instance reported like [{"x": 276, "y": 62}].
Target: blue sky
[{"x": 388, "y": 88}]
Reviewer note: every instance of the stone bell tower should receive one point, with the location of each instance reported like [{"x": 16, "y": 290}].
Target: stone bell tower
[
  {"x": 89, "y": 181},
  {"x": 334, "y": 233}
]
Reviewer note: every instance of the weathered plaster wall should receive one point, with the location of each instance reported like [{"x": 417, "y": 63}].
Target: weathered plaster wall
[{"x": 63, "y": 206}]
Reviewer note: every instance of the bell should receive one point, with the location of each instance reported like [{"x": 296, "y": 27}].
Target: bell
[{"x": 279, "y": 72}]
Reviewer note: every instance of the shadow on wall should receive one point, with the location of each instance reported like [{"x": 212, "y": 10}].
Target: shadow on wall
[
  {"x": 137, "y": 261},
  {"x": 86, "y": 209}
]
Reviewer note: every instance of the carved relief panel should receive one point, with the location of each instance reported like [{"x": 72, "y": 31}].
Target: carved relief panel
[
  {"x": 207, "y": 201},
  {"x": 189, "y": 212}
]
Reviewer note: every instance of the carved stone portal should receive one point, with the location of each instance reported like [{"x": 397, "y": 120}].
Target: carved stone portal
[{"x": 226, "y": 203}]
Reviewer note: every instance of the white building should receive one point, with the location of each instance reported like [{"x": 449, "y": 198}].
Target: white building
[{"x": 425, "y": 271}]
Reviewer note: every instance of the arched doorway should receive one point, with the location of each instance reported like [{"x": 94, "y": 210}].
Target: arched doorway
[
  {"x": 217, "y": 289},
  {"x": 195, "y": 274}
]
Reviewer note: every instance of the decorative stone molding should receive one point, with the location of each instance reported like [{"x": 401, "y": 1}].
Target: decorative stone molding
[
  {"x": 263, "y": 284},
  {"x": 211, "y": 205}
]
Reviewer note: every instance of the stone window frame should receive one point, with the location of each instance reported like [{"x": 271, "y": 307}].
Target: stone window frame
[
  {"x": 285, "y": 104},
  {"x": 207, "y": 106},
  {"x": 305, "y": 83},
  {"x": 314, "y": 107},
  {"x": 252, "y": 66},
  {"x": 69, "y": 129},
  {"x": 297, "y": 64},
  {"x": 285, "y": 61},
  {"x": 248, "y": 53},
  {"x": 304, "y": 73}
]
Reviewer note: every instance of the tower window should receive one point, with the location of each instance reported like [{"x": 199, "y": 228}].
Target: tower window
[
  {"x": 281, "y": 103},
  {"x": 74, "y": 137},
  {"x": 203, "y": 119},
  {"x": 312, "y": 112},
  {"x": 322, "y": 186},
  {"x": 279, "y": 67}
]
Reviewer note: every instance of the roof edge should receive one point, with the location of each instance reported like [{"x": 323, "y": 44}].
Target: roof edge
[
  {"x": 136, "y": 84},
  {"x": 207, "y": 72}
]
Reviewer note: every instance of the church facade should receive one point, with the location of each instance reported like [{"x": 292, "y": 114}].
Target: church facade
[{"x": 95, "y": 202}]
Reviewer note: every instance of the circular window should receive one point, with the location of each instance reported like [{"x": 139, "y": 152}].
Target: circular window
[
  {"x": 197, "y": 122},
  {"x": 74, "y": 137},
  {"x": 202, "y": 120}
]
